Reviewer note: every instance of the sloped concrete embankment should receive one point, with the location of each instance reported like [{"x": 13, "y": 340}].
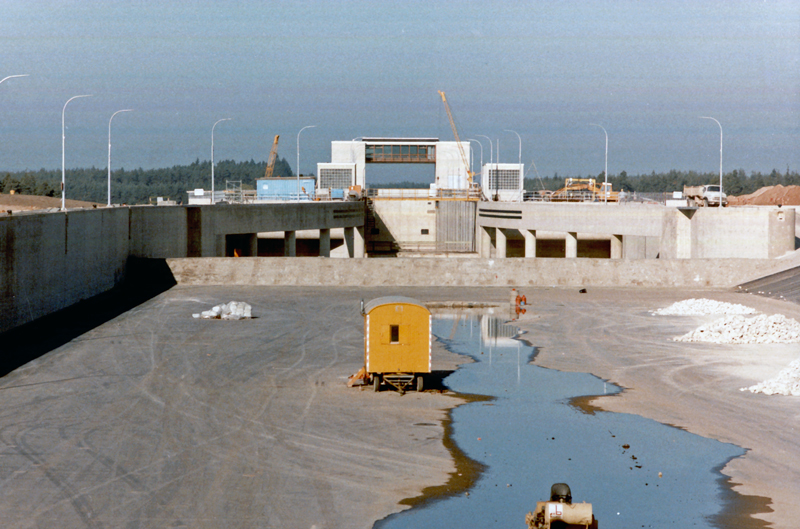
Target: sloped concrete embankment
[{"x": 655, "y": 273}]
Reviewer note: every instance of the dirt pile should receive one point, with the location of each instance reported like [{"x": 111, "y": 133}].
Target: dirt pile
[
  {"x": 769, "y": 196},
  {"x": 15, "y": 202}
]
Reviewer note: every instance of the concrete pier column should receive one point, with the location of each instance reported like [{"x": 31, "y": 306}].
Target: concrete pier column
[
  {"x": 253, "y": 244},
  {"x": 360, "y": 246},
  {"x": 289, "y": 244},
  {"x": 354, "y": 239},
  {"x": 484, "y": 242},
  {"x": 530, "y": 243},
  {"x": 616, "y": 246},
  {"x": 500, "y": 237},
  {"x": 571, "y": 245},
  {"x": 324, "y": 243}
]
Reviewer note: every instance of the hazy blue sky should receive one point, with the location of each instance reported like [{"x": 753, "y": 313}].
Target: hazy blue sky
[{"x": 645, "y": 70}]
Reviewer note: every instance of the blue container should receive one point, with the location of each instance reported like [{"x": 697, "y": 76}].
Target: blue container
[{"x": 285, "y": 188}]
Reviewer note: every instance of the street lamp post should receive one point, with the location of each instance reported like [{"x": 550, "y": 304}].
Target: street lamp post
[
  {"x": 519, "y": 158},
  {"x": 63, "y": 156},
  {"x": 13, "y": 76},
  {"x": 720, "y": 157},
  {"x": 109, "y": 151},
  {"x": 298, "y": 157},
  {"x": 479, "y": 143},
  {"x": 491, "y": 149},
  {"x": 212, "y": 155},
  {"x": 605, "y": 173}
]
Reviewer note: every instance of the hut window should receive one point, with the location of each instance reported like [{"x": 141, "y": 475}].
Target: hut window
[{"x": 394, "y": 331}]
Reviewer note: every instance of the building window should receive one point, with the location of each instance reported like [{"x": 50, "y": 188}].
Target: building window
[
  {"x": 424, "y": 231},
  {"x": 394, "y": 331}
]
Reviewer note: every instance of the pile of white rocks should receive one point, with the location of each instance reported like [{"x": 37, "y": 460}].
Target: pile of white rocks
[
  {"x": 702, "y": 307},
  {"x": 761, "y": 329},
  {"x": 786, "y": 383},
  {"x": 235, "y": 310}
]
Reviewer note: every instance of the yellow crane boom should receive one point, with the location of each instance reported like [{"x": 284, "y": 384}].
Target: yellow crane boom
[
  {"x": 458, "y": 140},
  {"x": 273, "y": 155}
]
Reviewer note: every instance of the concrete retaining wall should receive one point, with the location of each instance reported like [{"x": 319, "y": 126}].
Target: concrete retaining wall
[
  {"x": 52, "y": 261},
  {"x": 310, "y": 271}
]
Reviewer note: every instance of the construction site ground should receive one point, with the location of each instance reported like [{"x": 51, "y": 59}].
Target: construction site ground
[{"x": 157, "y": 419}]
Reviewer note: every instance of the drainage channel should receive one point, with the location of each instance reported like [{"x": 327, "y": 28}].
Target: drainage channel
[{"x": 634, "y": 471}]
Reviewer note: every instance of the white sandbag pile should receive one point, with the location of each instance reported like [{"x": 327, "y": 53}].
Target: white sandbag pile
[
  {"x": 786, "y": 383},
  {"x": 702, "y": 307},
  {"x": 235, "y": 310},
  {"x": 761, "y": 329}
]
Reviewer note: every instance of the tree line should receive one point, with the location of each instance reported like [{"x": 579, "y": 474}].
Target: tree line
[{"x": 138, "y": 186}]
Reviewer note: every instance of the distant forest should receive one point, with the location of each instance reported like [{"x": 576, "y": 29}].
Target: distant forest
[{"x": 138, "y": 186}]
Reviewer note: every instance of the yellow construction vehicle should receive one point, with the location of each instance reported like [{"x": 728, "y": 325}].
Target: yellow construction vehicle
[
  {"x": 464, "y": 159},
  {"x": 585, "y": 190},
  {"x": 273, "y": 155}
]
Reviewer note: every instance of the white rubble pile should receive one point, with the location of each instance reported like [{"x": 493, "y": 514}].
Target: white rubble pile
[
  {"x": 786, "y": 383},
  {"x": 235, "y": 310},
  {"x": 761, "y": 329},
  {"x": 702, "y": 307}
]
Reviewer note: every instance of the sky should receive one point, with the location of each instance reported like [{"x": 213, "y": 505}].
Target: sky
[{"x": 646, "y": 71}]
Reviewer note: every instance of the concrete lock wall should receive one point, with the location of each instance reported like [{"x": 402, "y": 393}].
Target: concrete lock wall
[
  {"x": 457, "y": 272},
  {"x": 51, "y": 261},
  {"x": 745, "y": 232},
  {"x": 411, "y": 224}
]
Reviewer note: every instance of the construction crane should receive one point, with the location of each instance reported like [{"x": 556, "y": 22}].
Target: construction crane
[
  {"x": 273, "y": 155},
  {"x": 470, "y": 174}
]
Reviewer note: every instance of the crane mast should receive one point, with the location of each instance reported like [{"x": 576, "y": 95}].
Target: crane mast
[
  {"x": 273, "y": 155},
  {"x": 458, "y": 140}
]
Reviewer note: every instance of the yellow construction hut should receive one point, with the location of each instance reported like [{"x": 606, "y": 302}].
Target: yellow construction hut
[{"x": 397, "y": 342}]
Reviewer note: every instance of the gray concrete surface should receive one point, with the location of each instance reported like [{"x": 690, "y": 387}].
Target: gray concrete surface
[
  {"x": 156, "y": 419},
  {"x": 433, "y": 272}
]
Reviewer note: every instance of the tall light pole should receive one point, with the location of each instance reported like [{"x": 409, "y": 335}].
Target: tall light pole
[
  {"x": 491, "y": 149},
  {"x": 520, "y": 144},
  {"x": 298, "y": 157},
  {"x": 63, "y": 144},
  {"x": 109, "y": 151},
  {"x": 13, "y": 76},
  {"x": 605, "y": 173},
  {"x": 479, "y": 143},
  {"x": 212, "y": 155},
  {"x": 720, "y": 157}
]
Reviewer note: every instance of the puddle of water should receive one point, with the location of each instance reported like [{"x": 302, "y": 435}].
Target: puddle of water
[{"x": 529, "y": 437}]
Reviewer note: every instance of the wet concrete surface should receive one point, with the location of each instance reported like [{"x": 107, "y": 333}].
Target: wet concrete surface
[{"x": 636, "y": 472}]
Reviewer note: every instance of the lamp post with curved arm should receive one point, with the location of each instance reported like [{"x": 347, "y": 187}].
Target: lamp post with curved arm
[
  {"x": 63, "y": 156},
  {"x": 491, "y": 149},
  {"x": 212, "y": 155},
  {"x": 605, "y": 173},
  {"x": 298, "y": 158},
  {"x": 479, "y": 143},
  {"x": 720, "y": 156},
  {"x": 109, "y": 151},
  {"x": 13, "y": 76}
]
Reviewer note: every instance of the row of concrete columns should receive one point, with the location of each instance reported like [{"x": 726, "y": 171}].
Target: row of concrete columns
[
  {"x": 353, "y": 238},
  {"x": 501, "y": 236}
]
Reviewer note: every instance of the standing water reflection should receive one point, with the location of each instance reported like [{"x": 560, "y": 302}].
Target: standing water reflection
[{"x": 636, "y": 472}]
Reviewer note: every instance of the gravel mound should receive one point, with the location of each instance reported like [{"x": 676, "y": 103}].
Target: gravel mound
[
  {"x": 761, "y": 329},
  {"x": 702, "y": 307},
  {"x": 786, "y": 383}
]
